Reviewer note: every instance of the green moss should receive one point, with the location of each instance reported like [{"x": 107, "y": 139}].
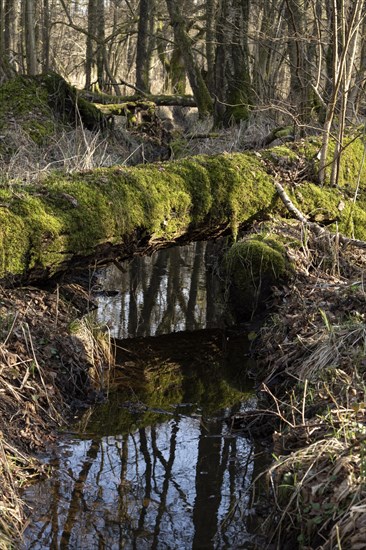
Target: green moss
[
  {"x": 24, "y": 103},
  {"x": 41, "y": 105},
  {"x": 335, "y": 207},
  {"x": 43, "y": 225},
  {"x": 14, "y": 242},
  {"x": 253, "y": 267},
  {"x": 73, "y": 214},
  {"x": 353, "y": 165},
  {"x": 281, "y": 155}
]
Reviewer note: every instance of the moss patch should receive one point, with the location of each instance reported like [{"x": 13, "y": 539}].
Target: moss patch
[
  {"x": 254, "y": 266},
  {"x": 335, "y": 207},
  {"x": 24, "y": 103},
  {"x": 41, "y": 105}
]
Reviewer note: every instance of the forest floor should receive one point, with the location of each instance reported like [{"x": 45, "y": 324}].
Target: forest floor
[{"x": 313, "y": 353}]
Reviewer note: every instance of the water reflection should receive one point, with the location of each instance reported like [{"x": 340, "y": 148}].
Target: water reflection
[
  {"x": 173, "y": 290},
  {"x": 180, "y": 486},
  {"x": 155, "y": 467}
]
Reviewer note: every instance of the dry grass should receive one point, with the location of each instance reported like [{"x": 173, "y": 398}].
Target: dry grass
[
  {"x": 316, "y": 347},
  {"x": 72, "y": 150}
]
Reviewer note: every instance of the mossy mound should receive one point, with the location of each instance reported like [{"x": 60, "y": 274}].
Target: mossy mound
[
  {"x": 40, "y": 106},
  {"x": 24, "y": 106},
  {"x": 69, "y": 106},
  {"x": 254, "y": 266}
]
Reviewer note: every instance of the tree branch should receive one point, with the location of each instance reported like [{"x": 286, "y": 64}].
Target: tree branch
[{"x": 316, "y": 228}]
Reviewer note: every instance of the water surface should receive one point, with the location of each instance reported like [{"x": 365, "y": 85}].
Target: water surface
[
  {"x": 173, "y": 290},
  {"x": 156, "y": 466}
]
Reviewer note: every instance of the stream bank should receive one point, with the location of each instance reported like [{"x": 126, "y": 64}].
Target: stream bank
[
  {"x": 313, "y": 357},
  {"x": 312, "y": 352},
  {"x": 47, "y": 369}
]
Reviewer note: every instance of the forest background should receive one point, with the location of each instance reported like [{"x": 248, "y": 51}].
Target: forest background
[{"x": 275, "y": 63}]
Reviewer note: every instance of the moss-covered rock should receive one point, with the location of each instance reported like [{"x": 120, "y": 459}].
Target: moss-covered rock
[{"x": 254, "y": 266}]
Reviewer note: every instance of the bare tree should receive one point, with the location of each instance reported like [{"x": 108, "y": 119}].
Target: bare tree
[{"x": 232, "y": 78}]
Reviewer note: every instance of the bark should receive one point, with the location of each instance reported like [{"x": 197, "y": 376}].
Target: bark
[
  {"x": 90, "y": 45},
  {"x": 298, "y": 52},
  {"x": 232, "y": 79},
  {"x": 30, "y": 37},
  {"x": 10, "y": 27},
  {"x": 100, "y": 44},
  {"x": 46, "y": 36},
  {"x": 183, "y": 42},
  {"x": 210, "y": 42},
  {"x": 142, "y": 57}
]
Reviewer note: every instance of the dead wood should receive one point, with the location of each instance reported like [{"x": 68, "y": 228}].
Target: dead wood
[{"x": 316, "y": 228}]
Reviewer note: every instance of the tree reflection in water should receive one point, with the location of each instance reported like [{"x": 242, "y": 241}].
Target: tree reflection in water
[
  {"x": 167, "y": 475},
  {"x": 174, "y": 289},
  {"x": 183, "y": 485}
]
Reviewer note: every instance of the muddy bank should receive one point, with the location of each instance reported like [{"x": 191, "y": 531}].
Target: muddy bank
[
  {"x": 313, "y": 351},
  {"x": 50, "y": 364}
]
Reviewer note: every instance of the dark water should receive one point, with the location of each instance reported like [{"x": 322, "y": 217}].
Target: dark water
[{"x": 157, "y": 465}]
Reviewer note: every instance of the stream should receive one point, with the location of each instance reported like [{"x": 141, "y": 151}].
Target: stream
[{"x": 157, "y": 466}]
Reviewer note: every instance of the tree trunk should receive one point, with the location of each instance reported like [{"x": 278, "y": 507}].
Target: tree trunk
[
  {"x": 46, "y": 36},
  {"x": 100, "y": 32},
  {"x": 182, "y": 40},
  {"x": 90, "y": 44},
  {"x": 142, "y": 57},
  {"x": 30, "y": 37},
  {"x": 10, "y": 28},
  {"x": 211, "y": 6},
  {"x": 300, "y": 85},
  {"x": 232, "y": 79}
]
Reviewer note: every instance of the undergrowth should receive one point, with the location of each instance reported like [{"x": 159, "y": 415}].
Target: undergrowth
[{"x": 316, "y": 346}]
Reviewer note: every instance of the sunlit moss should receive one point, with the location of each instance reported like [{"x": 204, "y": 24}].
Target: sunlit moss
[{"x": 72, "y": 214}]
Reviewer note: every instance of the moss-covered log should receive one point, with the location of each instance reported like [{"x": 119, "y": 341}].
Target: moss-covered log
[
  {"x": 119, "y": 211},
  {"x": 160, "y": 100}
]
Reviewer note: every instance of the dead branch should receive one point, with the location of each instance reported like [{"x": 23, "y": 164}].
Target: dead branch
[{"x": 316, "y": 228}]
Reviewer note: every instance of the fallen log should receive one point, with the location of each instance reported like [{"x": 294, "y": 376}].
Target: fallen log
[
  {"x": 160, "y": 100},
  {"x": 117, "y": 212},
  {"x": 100, "y": 215}
]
